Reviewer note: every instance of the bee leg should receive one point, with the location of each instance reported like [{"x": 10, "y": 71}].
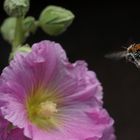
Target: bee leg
[
  {"x": 138, "y": 65},
  {"x": 135, "y": 61}
]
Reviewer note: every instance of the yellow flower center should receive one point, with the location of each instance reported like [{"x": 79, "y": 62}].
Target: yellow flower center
[
  {"x": 42, "y": 108},
  {"x": 47, "y": 108}
]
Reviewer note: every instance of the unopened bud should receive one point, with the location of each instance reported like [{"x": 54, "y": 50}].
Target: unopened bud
[
  {"x": 54, "y": 19},
  {"x": 16, "y": 8},
  {"x": 8, "y": 29},
  {"x": 29, "y": 24},
  {"x": 20, "y": 49}
]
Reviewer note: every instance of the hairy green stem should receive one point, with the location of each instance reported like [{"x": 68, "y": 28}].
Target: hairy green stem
[
  {"x": 18, "y": 37},
  {"x": 19, "y": 34}
]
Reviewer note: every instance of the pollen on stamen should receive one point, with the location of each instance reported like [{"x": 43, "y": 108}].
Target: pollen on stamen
[{"x": 47, "y": 108}]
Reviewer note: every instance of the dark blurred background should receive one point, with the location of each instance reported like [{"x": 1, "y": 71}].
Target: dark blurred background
[{"x": 98, "y": 29}]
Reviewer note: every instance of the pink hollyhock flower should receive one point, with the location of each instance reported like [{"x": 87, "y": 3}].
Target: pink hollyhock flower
[{"x": 52, "y": 99}]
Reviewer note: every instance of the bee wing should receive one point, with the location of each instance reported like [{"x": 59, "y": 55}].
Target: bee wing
[{"x": 116, "y": 56}]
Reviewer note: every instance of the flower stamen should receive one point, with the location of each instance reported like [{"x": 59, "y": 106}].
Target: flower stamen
[{"x": 47, "y": 109}]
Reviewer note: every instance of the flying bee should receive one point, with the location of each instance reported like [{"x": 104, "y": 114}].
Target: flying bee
[{"x": 131, "y": 54}]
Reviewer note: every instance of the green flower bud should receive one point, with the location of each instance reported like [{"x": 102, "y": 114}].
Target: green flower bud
[
  {"x": 8, "y": 29},
  {"x": 16, "y": 8},
  {"x": 25, "y": 48},
  {"x": 22, "y": 49},
  {"x": 55, "y": 20},
  {"x": 29, "y": 24}
]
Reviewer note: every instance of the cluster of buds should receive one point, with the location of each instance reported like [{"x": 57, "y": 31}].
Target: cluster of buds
[{"x": 53, "y": 20}]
